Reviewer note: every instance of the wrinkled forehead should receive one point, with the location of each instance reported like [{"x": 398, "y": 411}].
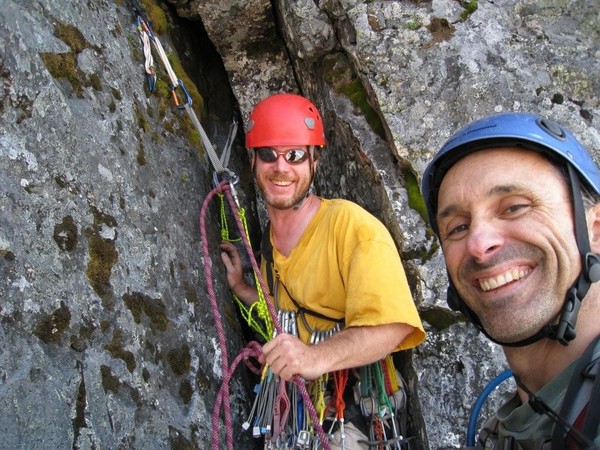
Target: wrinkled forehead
[
  {"x": 513, "y": 160},
  {"x": 504, "y": 166}
]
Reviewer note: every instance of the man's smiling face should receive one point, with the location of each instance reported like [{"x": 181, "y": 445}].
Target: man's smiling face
[{"x": 506, "y": 228}]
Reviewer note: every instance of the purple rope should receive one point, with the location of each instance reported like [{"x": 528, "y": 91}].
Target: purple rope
[{"x": 253, "y": 349}]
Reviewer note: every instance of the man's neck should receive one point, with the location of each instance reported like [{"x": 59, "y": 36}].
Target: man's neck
[
  {"x": 288, "y": 225},
  {"x": 537, "y": 364}
]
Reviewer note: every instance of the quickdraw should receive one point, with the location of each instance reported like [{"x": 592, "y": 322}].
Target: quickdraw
[
  {"x": 148, "y": 36},
  {"x": 382, "y": 397}
]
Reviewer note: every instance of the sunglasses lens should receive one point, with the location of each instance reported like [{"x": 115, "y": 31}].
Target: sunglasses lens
[
  {"x": 266, "y": 154},
  {"x": 296, "y": 156}
]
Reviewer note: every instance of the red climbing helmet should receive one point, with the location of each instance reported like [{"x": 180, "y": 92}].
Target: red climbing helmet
[{"x": 284, "y": 119}]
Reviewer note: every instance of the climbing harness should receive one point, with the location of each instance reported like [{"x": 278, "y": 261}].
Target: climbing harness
[
  {"x": 383, "y": 400},
  {"x": 271, "y": 392}
]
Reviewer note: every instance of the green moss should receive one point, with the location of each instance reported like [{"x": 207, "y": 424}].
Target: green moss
[
  {"x": 141, "y": 118},
  {"x": 7, "y": 255},
  {"x": 357, "y": 94},
  {"x": 109, "y": 381},
  {"x": 154, "y": 309},
  {"x": 195, "y": 138},
  {"x": 180, "y": 360},
  {"x": 156, "y": 16},
  {"x": 64, "y": 66},
  {"x": 186, "y": 391},
  {"x": 102, "y": 255},
  {"x": 116, "y": 94},
  {"x": 117, "y": 350},
  {"x": 162, "y": 89},
  {"x": 71, "y": 36},
  {"x": 470, "y": 7},
  {"x": 141, "y": 155},
  {"x": 415, "y": 198},
  {"x": 193, "y": 92},
  {"x": 95, "y": 82},
  {"x": 413, "y": 24},
  {"x": 339, "y": 73},
  {"x": 50, "y": 328},
  {"x": 66, "y": 235}
]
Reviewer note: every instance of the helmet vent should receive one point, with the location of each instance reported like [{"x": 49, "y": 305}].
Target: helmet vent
[{"x": 552, "y": 128}]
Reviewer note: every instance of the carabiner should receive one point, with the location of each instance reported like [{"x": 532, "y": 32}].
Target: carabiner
[{"x": 188, "y": 99}]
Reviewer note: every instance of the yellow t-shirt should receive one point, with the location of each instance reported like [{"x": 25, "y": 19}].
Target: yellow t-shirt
[{"x": 346, "y": 265}]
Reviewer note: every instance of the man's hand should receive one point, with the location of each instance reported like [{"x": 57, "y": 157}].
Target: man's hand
[
  {"x": 235, "y": 273},
  {"x": 351, "y": 347},
  {"x": 288, "y": 356}
]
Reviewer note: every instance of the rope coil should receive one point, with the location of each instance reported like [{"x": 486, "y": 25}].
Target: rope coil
[{"x": 253, "y": 348}]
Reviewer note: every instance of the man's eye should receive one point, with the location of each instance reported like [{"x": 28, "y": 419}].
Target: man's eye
[
  {"x": 459, "y": 229},
  {"x": 516, "y": 208},
  {"x": 455, "y": 232}
]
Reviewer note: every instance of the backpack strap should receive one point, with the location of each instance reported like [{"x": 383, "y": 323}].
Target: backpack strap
[
  {"x": 579, "y": 393},
  {"x": 592, "y": 418},
  {"x": 266, "y": 250}
]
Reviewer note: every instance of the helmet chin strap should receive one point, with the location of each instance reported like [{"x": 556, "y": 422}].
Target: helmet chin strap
[
  {"x": 564, "y": 330},
  {"x": 300, "y": 202}
]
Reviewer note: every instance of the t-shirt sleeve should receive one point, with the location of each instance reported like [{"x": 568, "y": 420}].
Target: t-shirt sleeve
[{"x": 378, "y": 291}]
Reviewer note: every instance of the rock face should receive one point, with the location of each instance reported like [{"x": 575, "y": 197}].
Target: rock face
[{"x": 108, "y": 338}]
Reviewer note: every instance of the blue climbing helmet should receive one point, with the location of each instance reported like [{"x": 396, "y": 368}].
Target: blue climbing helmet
[
  {"x": 535, "y": 133},
  {"x": 506, "y": 130}
]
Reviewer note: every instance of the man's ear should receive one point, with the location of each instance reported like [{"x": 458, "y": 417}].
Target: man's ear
[
  {"x": 251, "y": 156},
  {"x": 593, "y": 220}
]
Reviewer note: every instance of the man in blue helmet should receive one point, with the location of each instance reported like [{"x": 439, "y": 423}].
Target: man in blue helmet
[{"x": 513, "y": 199}]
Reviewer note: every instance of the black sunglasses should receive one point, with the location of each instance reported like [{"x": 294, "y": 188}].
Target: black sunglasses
[{"x": 269, "y": 155}]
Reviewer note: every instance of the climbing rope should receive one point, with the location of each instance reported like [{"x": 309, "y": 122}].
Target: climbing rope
[{"x": 253, "y": 349}]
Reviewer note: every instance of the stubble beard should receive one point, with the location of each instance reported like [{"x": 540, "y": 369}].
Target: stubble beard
[
  {"x": 284, "y": 203},
  {"x": 509, "y": 322}
]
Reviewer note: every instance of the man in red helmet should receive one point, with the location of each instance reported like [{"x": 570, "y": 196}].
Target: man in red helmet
[{"x": 337, "y": 276}]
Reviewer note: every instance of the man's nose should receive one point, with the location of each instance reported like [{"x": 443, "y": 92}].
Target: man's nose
[
  {"x": 483, "y": 240},
  {"x": 281, "y": 163}
]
